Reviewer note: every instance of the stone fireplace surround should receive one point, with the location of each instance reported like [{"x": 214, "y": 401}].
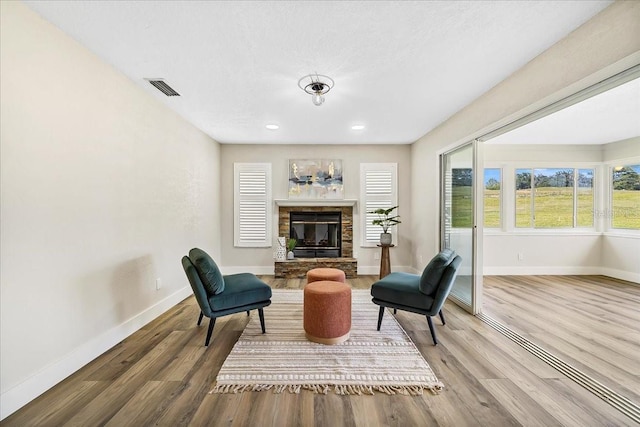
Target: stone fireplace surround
[{"x": 297, "y": 268}]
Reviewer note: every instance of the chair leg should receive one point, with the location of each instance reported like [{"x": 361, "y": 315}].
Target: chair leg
[
  {"x": 200, "y": 318},
  {"x": 247, "y": 313},
  {"x": 261, "y": 314},
  {"x": 442, "y": 317},
  {"x": 433, "y": 331},
  {"x": 380, "y": 314},
  {"x": 395, "y": 311},
  {"x": 212, "y": 322}
]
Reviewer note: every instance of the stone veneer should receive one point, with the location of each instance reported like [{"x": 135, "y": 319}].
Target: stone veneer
[{"x": 298, "y": 267}]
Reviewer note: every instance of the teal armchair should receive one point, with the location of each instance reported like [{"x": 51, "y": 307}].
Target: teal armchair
[
  {"x": 423, "y": 294},
  {"x": 219, "y": 295}
]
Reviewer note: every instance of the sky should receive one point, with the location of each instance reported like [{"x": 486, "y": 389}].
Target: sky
[{"x": 491, "y": 173}]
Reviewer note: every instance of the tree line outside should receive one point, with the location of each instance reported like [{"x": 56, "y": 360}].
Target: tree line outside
[{"x": 553, "y": 198}]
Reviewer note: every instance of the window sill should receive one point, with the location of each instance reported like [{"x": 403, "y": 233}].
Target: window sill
[
  {"x": 626, "y": 234},
  {"x": 546, "y": 232}
]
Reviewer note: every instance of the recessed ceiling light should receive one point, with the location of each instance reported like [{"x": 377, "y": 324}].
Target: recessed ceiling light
[
  {"x": 357, "y": 127},
  {"x": 272, "y": 127}
]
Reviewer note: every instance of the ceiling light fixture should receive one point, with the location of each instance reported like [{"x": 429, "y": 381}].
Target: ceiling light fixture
[
  {"x": 357, "y": 127},
  {"x": 316, "y": 85},
  {"x": 272, "y": 127}
]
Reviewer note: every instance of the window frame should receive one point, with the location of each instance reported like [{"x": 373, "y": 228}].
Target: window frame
[{"x": 576, "y": 168}]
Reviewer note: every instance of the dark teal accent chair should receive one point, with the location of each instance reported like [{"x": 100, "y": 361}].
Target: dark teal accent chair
[
  {"x": 219, "y": 295},
  {"x": 423, "y": 294}
]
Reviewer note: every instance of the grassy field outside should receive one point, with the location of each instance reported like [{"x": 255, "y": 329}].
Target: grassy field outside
[
  {"x": 462, "y": 207},
  {"x": 626, "y": 209},
  {"x": 553, "y": 208},
  {"x": 492, "y": 208}
]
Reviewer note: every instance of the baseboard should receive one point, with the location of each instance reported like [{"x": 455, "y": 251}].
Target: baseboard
[
  {"x": 539, "y": 271},
  {"x": 629, "y": 276},
  {"x": 21, "y": 394},
  {"x": 255, "y": 269}
]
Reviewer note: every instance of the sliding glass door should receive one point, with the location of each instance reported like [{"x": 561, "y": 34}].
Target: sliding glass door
[{"x": 458, "y": 219}]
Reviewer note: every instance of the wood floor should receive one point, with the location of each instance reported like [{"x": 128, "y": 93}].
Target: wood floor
[{"x": 161, "y": 375}]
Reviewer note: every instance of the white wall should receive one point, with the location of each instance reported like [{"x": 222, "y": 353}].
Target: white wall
[
  {"x": 103, "y": 190},
  {"x": 620, "y": 248},
  {"x": 518, "y": 251},
  {"x": 260, "y": 260},
  {"x": 605, "y": 45},
  {"x": 621, "y": 150},
  {"x": 598, "y": 251}
]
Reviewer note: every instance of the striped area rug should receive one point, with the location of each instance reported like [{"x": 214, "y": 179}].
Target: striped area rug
[{"x": 370, "y": 361}]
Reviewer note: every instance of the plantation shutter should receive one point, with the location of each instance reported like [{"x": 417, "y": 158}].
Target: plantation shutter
[
  {"x": 378, "y": 189},
  {"x": 252, "y": 204}
]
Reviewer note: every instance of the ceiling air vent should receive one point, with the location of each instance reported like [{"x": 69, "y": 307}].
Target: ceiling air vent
[{"x": 163, "y": 87}]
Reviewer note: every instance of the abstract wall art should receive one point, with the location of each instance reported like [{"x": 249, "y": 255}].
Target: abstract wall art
[{"x": 315, "y": 179}]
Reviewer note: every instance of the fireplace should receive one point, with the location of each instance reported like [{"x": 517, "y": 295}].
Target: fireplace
[
  {"x": 343, "y": 233},
  {"x": 318, "y": 234}
]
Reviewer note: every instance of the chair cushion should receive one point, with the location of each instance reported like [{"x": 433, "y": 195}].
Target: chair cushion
[
  {"x": 401, "y": 289},
  {"x": 208, "y": 271},
  {"x": 240, "y": 289},
  {"x": 433, "y": 271}
]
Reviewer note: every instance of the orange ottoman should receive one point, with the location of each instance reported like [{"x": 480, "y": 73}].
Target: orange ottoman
[
  {"x": 327, "y": 312},
  {"x": 331, "y": 274}
]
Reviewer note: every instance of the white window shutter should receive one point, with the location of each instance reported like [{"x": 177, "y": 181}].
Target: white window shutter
[
  {"x": 378, "y": 189},
  {"x": 252, "y": 204}
]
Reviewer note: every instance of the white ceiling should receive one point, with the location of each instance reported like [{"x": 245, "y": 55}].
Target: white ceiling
[
  {"x": 400, "y": 68},
  {"x": 611, "y": 116}
]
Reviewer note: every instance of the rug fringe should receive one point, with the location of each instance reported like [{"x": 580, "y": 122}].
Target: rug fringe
[{"x": 339, "y": 389}]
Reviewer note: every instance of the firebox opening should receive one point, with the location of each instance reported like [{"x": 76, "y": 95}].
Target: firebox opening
[{"x": 318, "y": 234}]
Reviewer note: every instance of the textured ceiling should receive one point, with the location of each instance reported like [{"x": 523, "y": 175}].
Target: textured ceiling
[{"x": 400, "y": 68}]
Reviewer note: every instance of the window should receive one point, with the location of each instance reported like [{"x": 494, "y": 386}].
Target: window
[
  {"x": 252, "y": 204},
  {"x": 492, "y": 197},
  {"x": 378, "y": 189},
  {"x": 545, "y": 198},
  {"x": 462, "y": 197},
  {"x": 584, "y": 198},
  {"x": 625, "y": 197}
]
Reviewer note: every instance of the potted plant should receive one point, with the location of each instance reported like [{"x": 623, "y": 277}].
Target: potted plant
[
  {"x": 385, "y": 219},
  {"x": 291, "y": 245}
]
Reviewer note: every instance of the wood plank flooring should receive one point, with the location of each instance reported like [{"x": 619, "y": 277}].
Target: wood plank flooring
[
  {"x": 591, "y": 322},
  {"x": 161, "y": 374}
]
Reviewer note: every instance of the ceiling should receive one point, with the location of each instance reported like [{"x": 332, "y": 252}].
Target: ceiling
[
  {"x": 400, "y": 68},
  {"x": 610, "y": 116}
]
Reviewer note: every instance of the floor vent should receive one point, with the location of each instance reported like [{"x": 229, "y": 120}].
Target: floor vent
[
  {"x": 163, "y": 87},
  {"x": 618, "y": 401}
]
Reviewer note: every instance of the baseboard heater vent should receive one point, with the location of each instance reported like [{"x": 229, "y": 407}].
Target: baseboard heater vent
[
  {"x": 163, "y": 87},
  {"x": 618, "y": 401}
]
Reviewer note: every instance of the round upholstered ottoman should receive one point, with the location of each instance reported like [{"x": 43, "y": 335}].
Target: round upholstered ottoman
[
  {"x": 327, "y": 312},
  {"x": 331, "y": 274}
]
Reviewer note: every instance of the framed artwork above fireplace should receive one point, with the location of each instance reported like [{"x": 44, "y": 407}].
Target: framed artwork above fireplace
[{"x": 317, "y": 179}]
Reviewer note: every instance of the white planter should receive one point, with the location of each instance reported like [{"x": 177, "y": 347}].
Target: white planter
[
  {"x": 290, "y": 255},
  {"x": 385, "y": 238}
]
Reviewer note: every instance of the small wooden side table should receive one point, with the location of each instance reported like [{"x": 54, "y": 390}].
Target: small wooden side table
[{"x": 385, "y": 262}]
